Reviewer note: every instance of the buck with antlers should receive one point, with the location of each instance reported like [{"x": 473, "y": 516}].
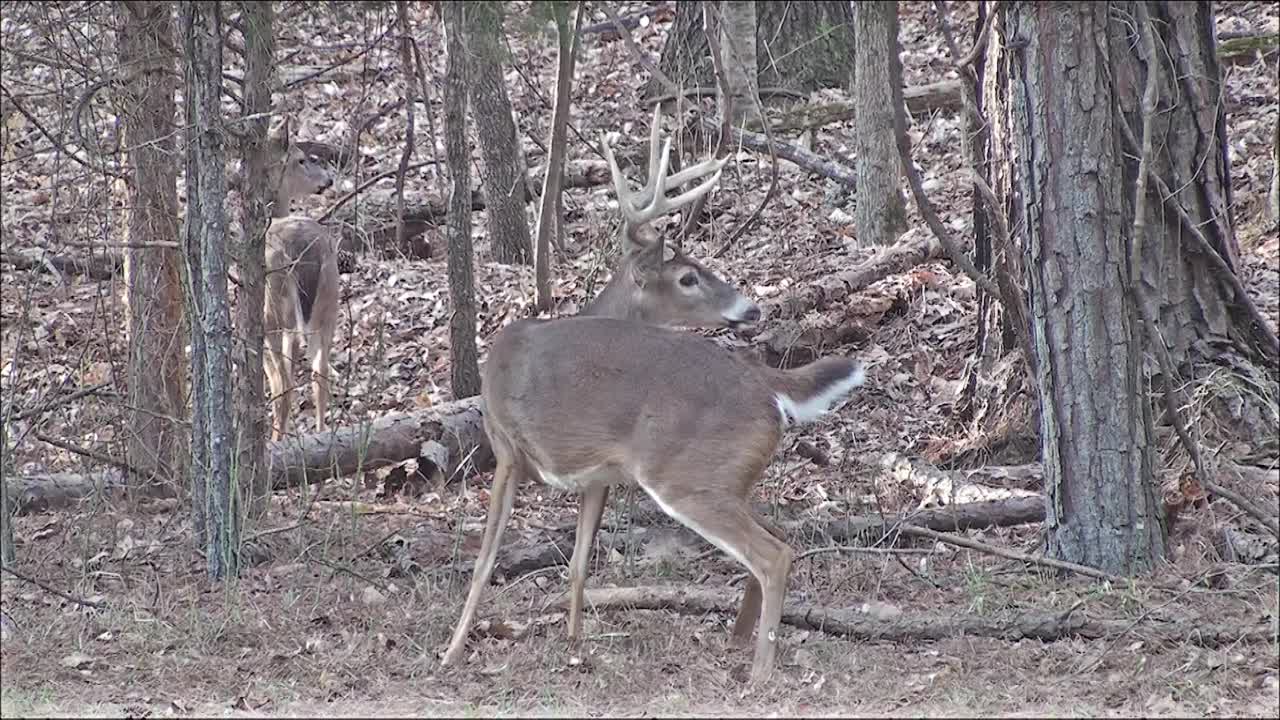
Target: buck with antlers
[
  {"x": 301, "y": 303},
  {"x": 585, "y": 403}
]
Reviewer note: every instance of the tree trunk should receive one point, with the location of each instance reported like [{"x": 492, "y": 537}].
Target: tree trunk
[
  {"x": 255, "y": 216},
  {"x": 215, "y": 509},
  {"x": 553, "y": 180},
  {"x": 503, "y": 180},
  {"x": 1274, "y": 205},
  {"x": 737, "y": 44},
  {"x": 156, "y": 443},
  {"x": 1094, "y": 420},
  {"x": 465, "y": 366},
  {"x": 800, "y": 46},
  {"x": 8, "y": 552},
  {"x": 1184, "y": 288},
  {"x": 880, "y": 215}
]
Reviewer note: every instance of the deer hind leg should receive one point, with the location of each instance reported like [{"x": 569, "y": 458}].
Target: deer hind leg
[
  {"x": 324, "y": 320},
  {"x": 279, "y": 367},
  {"x": 749, "y": 613},
  {"x": 501, "y": 498},
  {"x": 589, "y": 514},
  {"x": 729, "y": 524},
  {"x": 318, "y": 347}
]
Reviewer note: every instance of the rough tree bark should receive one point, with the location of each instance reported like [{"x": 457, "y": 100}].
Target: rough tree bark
[
  {"x": 156, "y": 444},
  {"x": 255, "y": 216},
  {"x": 880, "y": 215},
  {"x": 503, "y": 179},
  {"x": 737, "y": 20},
  {"x": 465, "y": 365},
  {"x": 1095, "y": 419},
  {"x": 213, "y": 493},
  {"x": 549, "y": 218},
  {"x": 1188, "y": 269},
  {"x": 800, "y": 46},
  {"x": 8, "y": 552}
]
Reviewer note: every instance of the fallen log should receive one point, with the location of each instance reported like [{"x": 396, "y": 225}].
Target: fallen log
[
  {"x": 97, "y": 266},
  {"x": 920, "y": 99},
  {"x": 651, "y": 525},
  {"x": 805, "y": 159},
  {"x": 833, "y": 289},
  {"x": 54, "y": 491},
  {"x": 448, "y": 436},
  {"x": 898, "y": 627}
]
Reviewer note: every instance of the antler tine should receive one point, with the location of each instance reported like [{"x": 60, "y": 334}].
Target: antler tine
[
  {"x": 625, "y": 202},
  {"x": 654, "y": 132},
  {"x": 693, "y": 171}
]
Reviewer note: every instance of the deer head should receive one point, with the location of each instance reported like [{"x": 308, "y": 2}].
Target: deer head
[{"x": 650, "y": 285}]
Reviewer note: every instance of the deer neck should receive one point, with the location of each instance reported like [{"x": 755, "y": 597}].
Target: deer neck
[
  {"x": 280, "y": 207},
  {"x": 619, "y": 300}
]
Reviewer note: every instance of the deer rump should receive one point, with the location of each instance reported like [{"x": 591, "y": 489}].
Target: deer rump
[
  {"x": 300, "y": 269},
  {"x": 583, "y": 400}
]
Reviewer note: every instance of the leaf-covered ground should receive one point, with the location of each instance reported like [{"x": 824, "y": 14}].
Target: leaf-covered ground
[{"x": 361, "y": 590}]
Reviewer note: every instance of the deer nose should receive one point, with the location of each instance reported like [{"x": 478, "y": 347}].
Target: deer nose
[{"x": 751, "y": 315}]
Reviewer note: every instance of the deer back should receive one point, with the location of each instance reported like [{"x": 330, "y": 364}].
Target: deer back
[{"x": 581, "y": 397}]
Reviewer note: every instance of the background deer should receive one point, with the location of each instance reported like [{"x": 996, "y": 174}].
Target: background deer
[
  {"x": 302, "y": 283},
  {"x": 585, "y": 403}
]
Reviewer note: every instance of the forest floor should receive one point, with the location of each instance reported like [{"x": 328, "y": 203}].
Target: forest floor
[{"x": 358, "y": 588}]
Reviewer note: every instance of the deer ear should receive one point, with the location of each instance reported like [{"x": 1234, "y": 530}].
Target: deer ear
[
  {"x": 646, "y": 263},
  {"x": 279, "y": 136},
  {"x": 639, "y": 239}
]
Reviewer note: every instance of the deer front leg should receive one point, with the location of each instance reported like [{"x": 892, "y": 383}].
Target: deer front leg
[{"x": 589, "y": 513}]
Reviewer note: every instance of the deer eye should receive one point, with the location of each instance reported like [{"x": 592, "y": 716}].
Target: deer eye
[{"x": 689, "y": 280}]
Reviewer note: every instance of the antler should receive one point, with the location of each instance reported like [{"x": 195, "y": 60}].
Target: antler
[{"x": 651, "y": 201}]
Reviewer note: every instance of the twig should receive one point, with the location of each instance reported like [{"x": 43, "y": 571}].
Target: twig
[
  {"x": 863, "y": 550},
  {"x": 82, "y": 392},
  {"x": 701, "y": 91},
  {"x": 57, "y": 140},
  {"x": 714, "y": 44},
  {"x": 1013, "y": 554},
  {"x": 980, "y": 44},
  {"x": 1011, "y": 296},
  {"x": 356, "y": 56},
  {"x": 632, "y": 46},
  {"x": 927, "y": 210},
  {"x": 1169, "y": 200},
  {"x": 409, "y": 70},
  {"x": 364, "y": 186},
  {"x": 91, "y": 454},
  {"x": 53, "y": 591},
  {"x": 1172, "y": 379}
]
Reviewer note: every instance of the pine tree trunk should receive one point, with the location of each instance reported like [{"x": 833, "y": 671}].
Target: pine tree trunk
[
  {"x": 800, "y": 46},
  {"x": 156, "y": 442},
  {"x": 465, "y": 366},
  {"x": 503, "y": 179},
  {"x": 880, "y": 216},
  {"x": 1095, "y": 422},
  {"x": 206, "y": 248},
  {"x": 255, "y": 216},
  {"x": 1184, "y": 287}
]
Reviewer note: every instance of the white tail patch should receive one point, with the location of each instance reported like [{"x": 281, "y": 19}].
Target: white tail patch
[{"x": 809, "y": 409}]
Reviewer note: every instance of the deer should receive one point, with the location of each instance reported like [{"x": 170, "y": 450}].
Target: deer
[
  {"x": 616, "y": 396},
  {"x": 301, "y": 298}
]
